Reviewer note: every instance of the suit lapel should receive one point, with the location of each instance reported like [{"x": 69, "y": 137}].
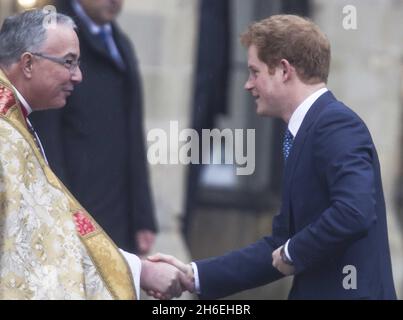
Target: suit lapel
[
  {"x": 296, "y": 150},
  {"x": 128, "y": 57},
  {"x": 93, "y": 41},
  {"x": 124, "y": 50}
]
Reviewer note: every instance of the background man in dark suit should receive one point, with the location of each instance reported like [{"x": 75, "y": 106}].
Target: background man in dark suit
[
  {"x": 96, "y": 144},
  {"x": 331, "y": 232}
]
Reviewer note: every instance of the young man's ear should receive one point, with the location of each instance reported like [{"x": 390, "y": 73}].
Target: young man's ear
[
  {"x": 287, "y": 69},
  {"x": 26, "y": 62}
]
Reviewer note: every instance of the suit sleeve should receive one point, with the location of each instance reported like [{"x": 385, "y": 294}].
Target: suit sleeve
[
  {"x": 343, "y": 158},
  {"x": 238, "y": 270}
]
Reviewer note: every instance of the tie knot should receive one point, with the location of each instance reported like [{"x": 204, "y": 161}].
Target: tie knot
[
  {"x": 103, "y": 34},
  {"x": 287, "y": 143}
]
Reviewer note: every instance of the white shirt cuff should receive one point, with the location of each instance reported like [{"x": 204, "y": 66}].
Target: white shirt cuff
[
  {"x": 286, "y": 250},
  {"x": 196, "y": 276},
  {"x": 135, "y": 267}
]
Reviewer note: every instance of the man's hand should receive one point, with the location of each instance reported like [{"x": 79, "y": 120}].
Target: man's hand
[
  {"x": 189, "y": 282},
  {"x": 280, "y": 265},
  {"x": 144, "y": 241},
  {"x": 162, "y": 280}
]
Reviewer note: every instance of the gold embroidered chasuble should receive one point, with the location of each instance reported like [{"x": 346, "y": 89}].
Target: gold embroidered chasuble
[{"x": 50, "y": 247}]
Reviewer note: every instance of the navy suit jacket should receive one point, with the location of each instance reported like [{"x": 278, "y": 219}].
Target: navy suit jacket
[{"x": 333, "y": 210}]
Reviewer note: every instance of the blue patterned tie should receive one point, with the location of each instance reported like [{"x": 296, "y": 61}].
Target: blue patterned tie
[{"x": 287, "y": 144}]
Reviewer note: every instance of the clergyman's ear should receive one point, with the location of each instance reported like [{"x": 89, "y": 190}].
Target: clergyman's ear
[{"x": 26, "y": 62}]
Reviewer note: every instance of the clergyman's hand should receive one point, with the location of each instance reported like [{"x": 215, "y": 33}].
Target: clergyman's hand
[
  {"x": 280, "y": 265},
  {"x": 189, "y": 282},
  {"x": 162, "y": 280}
]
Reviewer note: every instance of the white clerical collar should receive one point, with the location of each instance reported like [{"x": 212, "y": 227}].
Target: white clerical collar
[
  {"x": 24, "y": 102},
  {"x": 299, "y": 114},
  {"x": 92, "y": 26}
]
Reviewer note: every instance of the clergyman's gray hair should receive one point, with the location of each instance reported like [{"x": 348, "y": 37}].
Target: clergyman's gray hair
[{"x": 26, "y": 32}]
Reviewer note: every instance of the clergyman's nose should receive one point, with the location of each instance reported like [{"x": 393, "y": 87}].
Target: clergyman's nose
[{"x": 77, "y": 76}]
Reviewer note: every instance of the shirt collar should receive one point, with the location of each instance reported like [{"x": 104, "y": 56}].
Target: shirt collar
[
  {"x": 299, "y": 114},
  {"x": 92, "y": 26},
  {"x": 24, "y": 103}
]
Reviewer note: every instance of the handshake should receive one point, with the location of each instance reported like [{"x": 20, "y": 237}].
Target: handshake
[{"x": 165, "y": 277}]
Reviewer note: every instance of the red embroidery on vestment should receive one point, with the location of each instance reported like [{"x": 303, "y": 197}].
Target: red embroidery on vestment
[
  {"x": 7, "y": 99},
  {"x": 83, "y": 224}
]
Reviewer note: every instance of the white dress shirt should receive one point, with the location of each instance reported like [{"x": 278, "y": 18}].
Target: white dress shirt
[
  {"x": 299, "y": 114},
  {"x": 295, "y": 123}
]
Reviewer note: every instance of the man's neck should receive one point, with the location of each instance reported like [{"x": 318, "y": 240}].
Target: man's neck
[{"x": 300, "y": 93}]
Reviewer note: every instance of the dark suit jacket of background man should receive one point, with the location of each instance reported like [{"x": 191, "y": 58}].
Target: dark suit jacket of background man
[
  {"x": 333, "y": 210},
  {"x": 96, "y": 143}
]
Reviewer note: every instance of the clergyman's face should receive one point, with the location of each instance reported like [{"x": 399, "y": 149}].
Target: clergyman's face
[
  {"x": 102, "y": 11},
  {"x": 53, "y": 82},
  {"x": 266, "y": 88}
]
